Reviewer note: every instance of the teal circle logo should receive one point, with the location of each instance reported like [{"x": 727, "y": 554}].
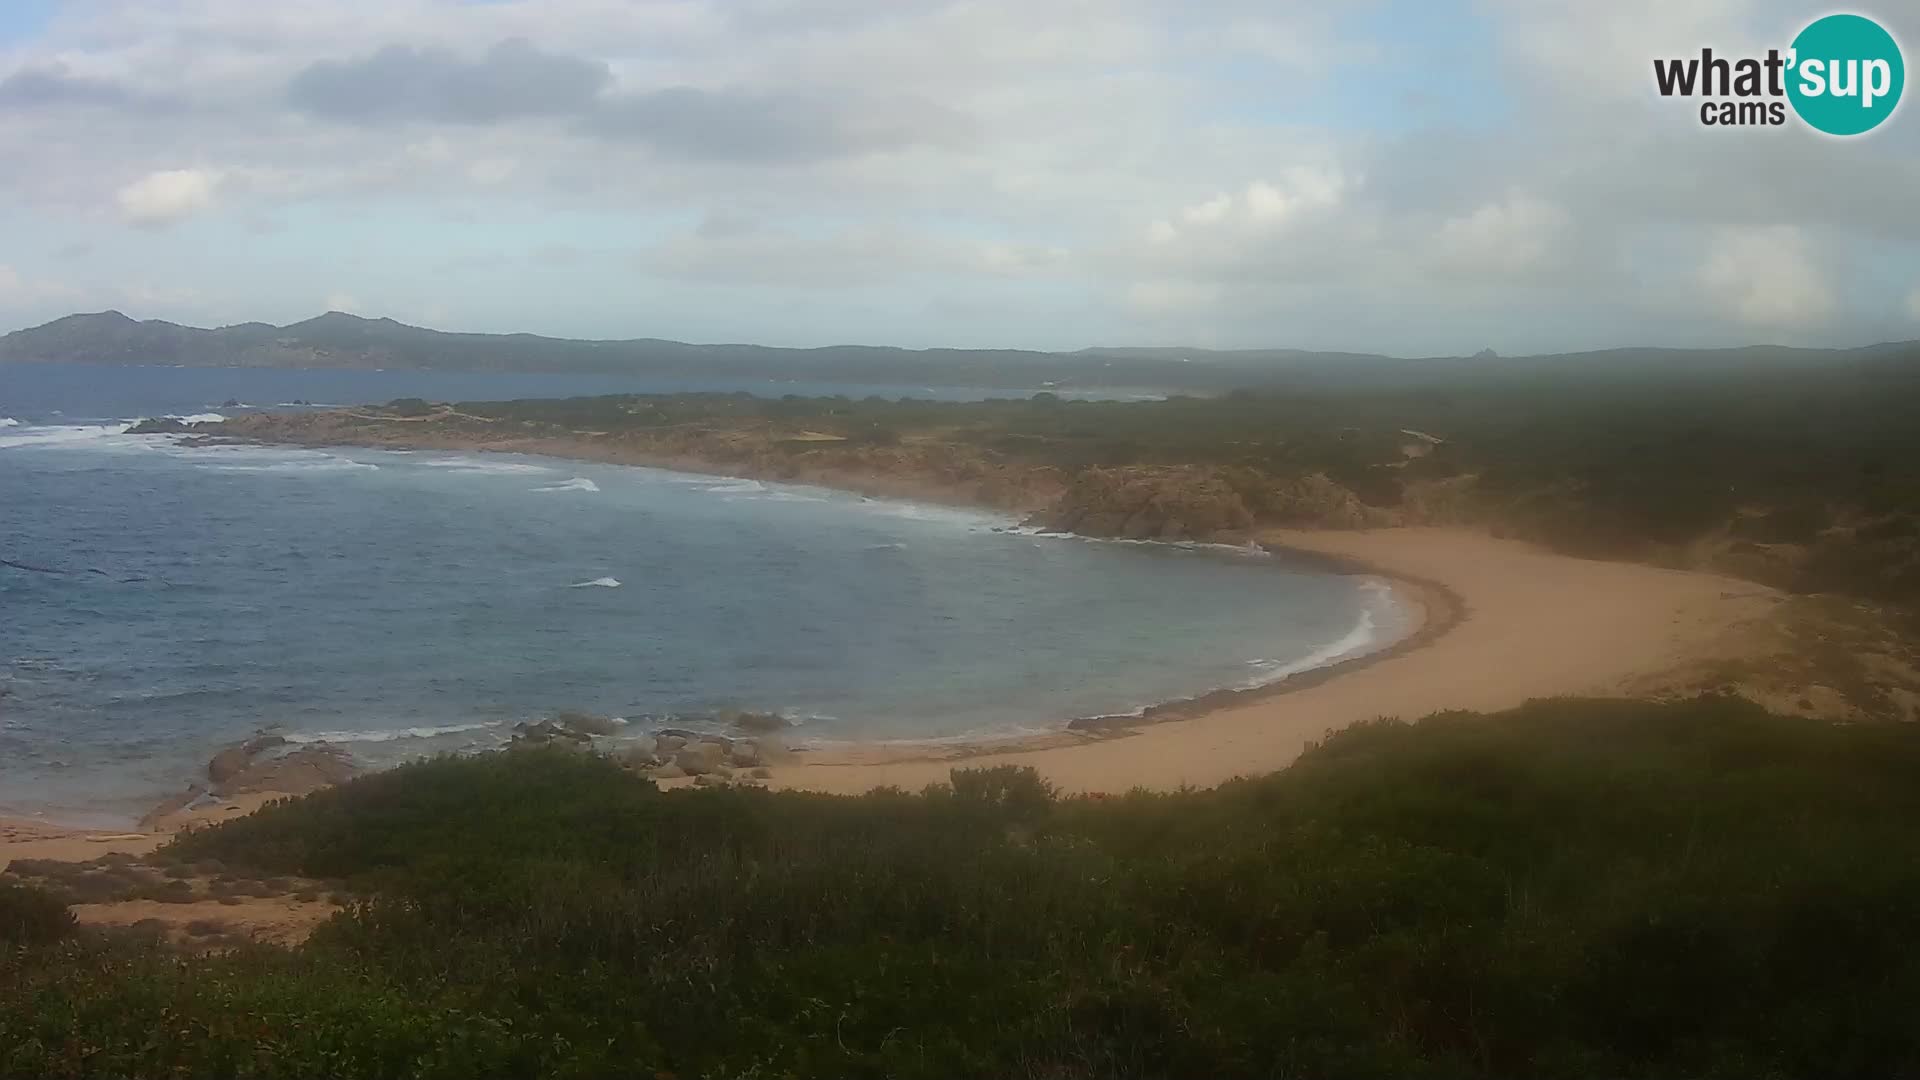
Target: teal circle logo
[{"x": 1846, "y": 75}]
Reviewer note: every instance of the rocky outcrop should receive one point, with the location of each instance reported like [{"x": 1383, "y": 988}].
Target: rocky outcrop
[
  {"x": 586, "y": 723},
  {"x": 1214, "y": 504},
  {"x": 702, "y": 758},
  {"x": 160, "y": 425},
  {"x": 235, "y": 760},
  {"x": 754, "y": 721},
  {"x": 545, "y": 734},
  {"x": 305, "y": 770},
  {"x": 1150, "y": 503}
]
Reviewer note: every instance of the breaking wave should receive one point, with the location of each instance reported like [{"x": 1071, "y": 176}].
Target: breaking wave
[
  {"x": 382, "y": 734},
  {"x": 578, "y": 483}
]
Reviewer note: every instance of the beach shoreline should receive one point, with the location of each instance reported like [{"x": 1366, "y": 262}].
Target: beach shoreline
[
  {"x": 1514, "y": 623},
  {"x": 1268, "y": 725}
]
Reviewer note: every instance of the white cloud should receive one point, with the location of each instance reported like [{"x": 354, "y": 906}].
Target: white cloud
[
  {"x": 1767, "y": 277},
  {"x": 340, "y": 301},
  {"x": 1171, "y": 297},
  {"x": 1296, "y": 191},
  {"x": 1141, "y": 158},
  {"x": 168, "y": 196},
  {"x": 1210, "y": 212},
  {"x": 20, "y": 290},
  {"x": 1514, "y": 234}
]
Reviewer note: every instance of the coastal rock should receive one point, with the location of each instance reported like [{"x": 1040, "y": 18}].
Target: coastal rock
[
  {"x": 668, "y": 772},
  {"x": 234, "y": 760},
  {"x": 172, "y": 805},
  {"x": 307, "y": 769},
  {"x": 586, "y": 723},
  {"x": 771, "y": 750},
  {"x": 761, "y": 773},
  {"x": 228, "y": 763},
  {"x": 160, "y": 425},
  {"x": 700, "y": 759},
  {"x": 745, "y": 753},
  {"x": 755, "y": 721},
  {"x": 548, "y": 731},
  {"x": 664, "y": 744},
  {"x": 1149, "y": 503},
  {"x": 640, "y": 748}
]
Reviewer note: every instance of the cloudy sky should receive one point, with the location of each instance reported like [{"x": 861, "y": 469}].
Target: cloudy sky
[{"x": 1406, "y": 176}]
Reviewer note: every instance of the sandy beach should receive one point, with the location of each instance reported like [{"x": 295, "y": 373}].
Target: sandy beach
[{"x": 1531, "y": 624}]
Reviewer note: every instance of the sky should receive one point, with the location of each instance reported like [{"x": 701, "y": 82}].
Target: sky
[{"x": 1413, "y": 177}]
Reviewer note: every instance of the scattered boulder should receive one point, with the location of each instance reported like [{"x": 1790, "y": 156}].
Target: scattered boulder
[
  {"x": 755, "y": 721},
  {"x": 761, "y": 773},
  {"x": 745, "y": 753},
  {"x": 638, "y": 754},
  {"x": 771, "y": 750},
  {"x": 547, "y": 733},
  {"x": 701, "y": 759},
  {"x": 586, "y": 723},
  {"x": 668, "y": 772},
  {"x": 664, "y": 744}
]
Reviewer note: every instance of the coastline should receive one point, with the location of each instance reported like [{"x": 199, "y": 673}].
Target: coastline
[
  {"x": 1214, "y": 736},
  {"x": 1525, "y": 624}
]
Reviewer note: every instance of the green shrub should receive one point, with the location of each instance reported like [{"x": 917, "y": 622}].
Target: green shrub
[
  {"x": 1575, "y": 888},
  {"x": 31, "y": 916}
]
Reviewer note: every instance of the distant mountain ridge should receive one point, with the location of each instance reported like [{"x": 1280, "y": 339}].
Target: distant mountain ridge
[{"x": 340, "y": 340}]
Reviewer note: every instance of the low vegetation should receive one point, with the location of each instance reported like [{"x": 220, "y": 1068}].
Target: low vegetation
[{"x": 1575, "y": 888}]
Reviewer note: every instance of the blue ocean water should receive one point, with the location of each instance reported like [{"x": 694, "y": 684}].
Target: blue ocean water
[{"x": 401, "y": 604}]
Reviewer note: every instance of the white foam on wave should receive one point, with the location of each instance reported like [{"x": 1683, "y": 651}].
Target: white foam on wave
[
  {"x": 201, "y": 418},
  {"x": 930, "y": 512},
  {"x": 1363, "y": 637},
  {"x": 597, "y": 583},
  {"x": 473, "y": 465},
  {"x": 736, "y": 487},
  {"x": 326, "y": 463},
  {"x": 63, "y": 435},
  {"x": 383, "y": 734},
  {"x": 1249, "y": 549},
  {"x": 8, "y": 421},
  {"x": 578, "y": 483}
]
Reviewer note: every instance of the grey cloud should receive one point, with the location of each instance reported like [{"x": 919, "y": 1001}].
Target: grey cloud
[
  {"x": 735, "y": 125},
  {"x": 37, "y": 87},
  {"x": 514, "y": 78}
]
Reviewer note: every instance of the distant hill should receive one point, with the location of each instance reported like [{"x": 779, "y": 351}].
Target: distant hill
[{"x": 339, "y": 340}]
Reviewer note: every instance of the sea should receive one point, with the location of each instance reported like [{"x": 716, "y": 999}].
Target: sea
[{"x": 160, "y": 601}]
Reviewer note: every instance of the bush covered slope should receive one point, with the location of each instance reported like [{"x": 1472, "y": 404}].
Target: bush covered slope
[{"x": 1571, "y": 889}]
